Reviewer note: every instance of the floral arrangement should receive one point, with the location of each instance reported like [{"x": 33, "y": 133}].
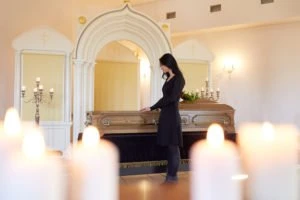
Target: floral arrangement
[{"x": 190, "y": 96}]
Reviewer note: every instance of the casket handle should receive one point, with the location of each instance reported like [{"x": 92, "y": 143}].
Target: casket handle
[
  {"x": 106, "y": 122},
  {"x": 226, "y": 122},
  {"x": 155, "y": 122}
]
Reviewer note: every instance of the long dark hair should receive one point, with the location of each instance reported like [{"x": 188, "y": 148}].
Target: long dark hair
[{"x": 169, "y": 61}]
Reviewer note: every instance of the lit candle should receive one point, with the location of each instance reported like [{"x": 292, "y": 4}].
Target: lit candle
[
  {"x": 269, "y": 154},
  {"x": 35, "y": 90},
  {"x": 214, "y": 164},
  {"x": 10, "y": 136},
  {"x": 197, "y": 90},
  {"x": 218, "y": 89},
  {"x": 51, "y": 90},
  {"x": 10, "y": 142},
  {"x": 31, "y": 174},
  {"x": 41, "y": 87},
  {"x": 37, "y": 79},
  {"x": 95, "y": 168},
  {"x": 202, "y": 89},
  {"x": 23, "y": 88}
]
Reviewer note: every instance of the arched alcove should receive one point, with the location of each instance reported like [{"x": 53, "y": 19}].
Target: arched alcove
[{"x": 120, "y": 24}]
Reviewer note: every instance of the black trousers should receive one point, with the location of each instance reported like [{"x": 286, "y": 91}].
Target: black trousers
[{"x": 173, "y": 157}]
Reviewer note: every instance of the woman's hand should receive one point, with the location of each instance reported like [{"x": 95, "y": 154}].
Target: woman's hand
[{"x": 145, "y": 109}]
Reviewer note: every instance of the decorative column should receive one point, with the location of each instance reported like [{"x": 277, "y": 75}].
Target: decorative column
[
  {"x": 156, "y": 82},
  {"x": 90, "y": 85},
  {"x": 17, "y": 86},
  {"x": 67, "y": 89},
  {"x": 78, "y": 99}
]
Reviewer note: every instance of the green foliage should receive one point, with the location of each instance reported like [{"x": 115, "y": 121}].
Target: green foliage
[{"x": 190, "y": 96}]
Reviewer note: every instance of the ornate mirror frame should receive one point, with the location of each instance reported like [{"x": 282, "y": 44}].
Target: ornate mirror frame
[
  {"x": 45, "y": 40},
  {"x": 120, "y": 24},
  {"x": 192, "y": 51}
]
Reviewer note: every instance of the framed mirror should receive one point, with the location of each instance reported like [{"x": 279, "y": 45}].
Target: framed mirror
[
  {"x": 43, "y": 66},
  {"x": 194, "y": 59},
  {"x": 122, "y": 72}
]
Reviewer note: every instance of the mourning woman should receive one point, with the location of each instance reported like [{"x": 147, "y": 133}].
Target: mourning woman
[{"x": 169, "y": 134}]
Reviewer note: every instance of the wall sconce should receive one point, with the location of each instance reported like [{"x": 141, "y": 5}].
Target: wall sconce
[{"x": 229, "y": 69}]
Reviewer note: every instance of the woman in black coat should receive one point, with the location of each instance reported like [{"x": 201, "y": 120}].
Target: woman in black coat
[{"x": 169, "y": 132}]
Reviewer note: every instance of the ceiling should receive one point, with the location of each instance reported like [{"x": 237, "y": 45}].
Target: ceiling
[{"x": 195, "y": 15}]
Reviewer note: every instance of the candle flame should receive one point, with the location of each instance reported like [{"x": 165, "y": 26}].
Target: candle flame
[
  {"x": 91, "y": 136},
  {"x": 267, "y": 131},
  {"x": 34, "y": 145},
  {"x": 215, "y": 135},
  {"x": 240, "y": 177},
  {"x": 12, "y": 123}
]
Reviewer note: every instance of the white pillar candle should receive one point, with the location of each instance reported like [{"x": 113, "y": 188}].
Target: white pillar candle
[
  {"x": 10, "y": 133},
  {"x": 31, "y": 174},
  {"x": 214, "y": 164},
  {"x": 95, "y": 168},
  {"x": 10, "y": 141},
  {"x": 269, "y": 154},
  {"x": 37, "y": 79}
]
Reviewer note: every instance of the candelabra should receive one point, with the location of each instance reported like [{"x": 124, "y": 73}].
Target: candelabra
[
  {"x": 38, "y": 98},
  {"x": 209, "y": 94}
]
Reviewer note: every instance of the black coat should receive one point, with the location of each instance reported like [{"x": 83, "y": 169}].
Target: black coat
[{"x": 169, "y": 124}]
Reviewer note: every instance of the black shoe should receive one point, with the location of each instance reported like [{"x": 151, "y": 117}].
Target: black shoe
[{"x": 171, "y": 179}]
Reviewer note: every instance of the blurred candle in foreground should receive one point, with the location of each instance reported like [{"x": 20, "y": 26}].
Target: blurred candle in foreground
[
  {"x": 31, "y": 174},
  {"x": 10, "y": 133},
  {"x": 10, "y": 142},
  {"x": 269, "y": 154},
  {"x": 95, "y": 168},
  {"x": 12, "y": 123},
  {"x": 214, "y": 163}
]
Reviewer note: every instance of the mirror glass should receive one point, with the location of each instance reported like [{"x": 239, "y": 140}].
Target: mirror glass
[
  {"x": 122, "y": 78},
  {"x": 49, "y": 70},
  {"x": 195, "y": 74},
  {"x": 123, "y": 74}
]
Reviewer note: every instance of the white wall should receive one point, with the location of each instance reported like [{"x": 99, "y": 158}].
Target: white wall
[
  {"x": 194, "y": 15},
  {"x": 17, "y": 17},
  {"x": 282, "y": 91},
  {"x": 267, "y": 72}
]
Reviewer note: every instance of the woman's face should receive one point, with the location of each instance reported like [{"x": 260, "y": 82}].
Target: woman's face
[{"x": 164, "y": 68}]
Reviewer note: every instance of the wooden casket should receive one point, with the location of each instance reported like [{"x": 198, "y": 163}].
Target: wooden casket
[{"x": 134, "y": 133}]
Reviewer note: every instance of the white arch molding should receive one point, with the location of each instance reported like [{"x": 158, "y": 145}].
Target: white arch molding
[{"x": 121, "y": 24}]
